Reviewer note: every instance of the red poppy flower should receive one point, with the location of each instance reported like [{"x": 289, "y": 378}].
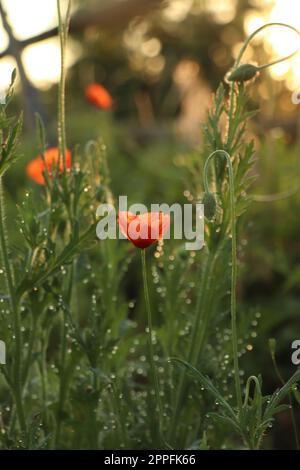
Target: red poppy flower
[
  {"x": 99, "y": 96},
  {"x": 144, "y": 229},
  {"x": 36, "y": 167}
]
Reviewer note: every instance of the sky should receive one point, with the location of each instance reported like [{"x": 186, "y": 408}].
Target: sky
[{"x": 42, "y": 61}]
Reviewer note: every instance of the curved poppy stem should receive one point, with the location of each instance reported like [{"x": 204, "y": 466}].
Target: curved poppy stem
[
  {"x": 274, "y": 62},
  {"x": 233, "y": 268},
  {"x": 63, "y": 27},
  {"x": 259, "y": 68},
  {"x": 150, "y": 345}
]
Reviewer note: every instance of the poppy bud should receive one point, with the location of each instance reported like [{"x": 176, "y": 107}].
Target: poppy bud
[
  {"x": 243, "y": 73},
  {"x": 210, "y": 205}
]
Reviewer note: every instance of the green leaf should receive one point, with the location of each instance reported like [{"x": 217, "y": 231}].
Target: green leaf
[
  {"x": 75, "y": 246},
  {"x": 9, "y": 148},
  {"x": 226, "y": 420},
  {"x": 13, "y": 77},
  {"x": 40, "y": 132},
  {"x": 203, "y": 443},
  {"x": 208, "y": 385},
  {"x": 278, "y": 396}
]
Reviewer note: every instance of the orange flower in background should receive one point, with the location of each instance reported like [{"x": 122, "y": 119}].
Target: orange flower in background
[
  {"x": 36, "y": 167},
  {"x": 144, "y": 229},
  {"x": 99, "y": 96}
]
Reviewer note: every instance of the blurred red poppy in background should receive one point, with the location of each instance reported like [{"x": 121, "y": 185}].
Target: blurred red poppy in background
[
  {"x": 36, "y": 167},
  {"x": 143, "y": 229},
  {"x": 99, "y": 96}
]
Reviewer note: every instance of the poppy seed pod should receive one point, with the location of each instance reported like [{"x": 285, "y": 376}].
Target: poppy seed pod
[
  {"x": 243, "y": 73},
  {"x": 210, "y": 205}
]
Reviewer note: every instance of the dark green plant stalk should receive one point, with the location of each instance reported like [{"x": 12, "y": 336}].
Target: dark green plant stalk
[
  {"x": 42, "y": 366},
  {"x": 154, "y": 377},
  {"x": 62, "y": 368},
  {"x": 32, "y": 337},
  {"x": 61, "y": 131},
  {"x": 233, "y": 267},
  {"x": 9, "y": 277},
  {"x": 209, "y": 263},
  {"x": 63, "y": 27},
  {"x": 202, "y": 308}
]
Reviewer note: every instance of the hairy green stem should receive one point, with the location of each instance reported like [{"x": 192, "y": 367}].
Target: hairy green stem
[
  {"x": 42, "y": 364},
  {"x": 154, "y": 377},
  {"x": 63, "y": 352},
  {"x": 63, "y": 33},
  {"x": 9, "y": 277},
  {"x": 181, "y": 386},
  {"x": 233, "y": 268},
  {"x": 196, "y": 344},
  {"x": 32, "y": 336}
]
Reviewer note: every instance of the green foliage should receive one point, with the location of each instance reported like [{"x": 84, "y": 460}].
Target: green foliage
[
  {"x": 258, "y": 411},
  {"x": 10, "y": 130}
]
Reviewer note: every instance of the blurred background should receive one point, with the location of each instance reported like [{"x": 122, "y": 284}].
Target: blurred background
[{"x": 161, "y": 60}]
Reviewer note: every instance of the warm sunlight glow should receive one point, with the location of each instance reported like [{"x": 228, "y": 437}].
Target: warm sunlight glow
[
  {"x": 42, "y": 60},
  {"x": 6, "y": 67},
  {"x": 279, "y": 41},
  {"x": 3, "y": 39},
  {"x": 177, "y": 10},
  {"x": 30, "y": 17},
  {"x": 222, "y": 12}
]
